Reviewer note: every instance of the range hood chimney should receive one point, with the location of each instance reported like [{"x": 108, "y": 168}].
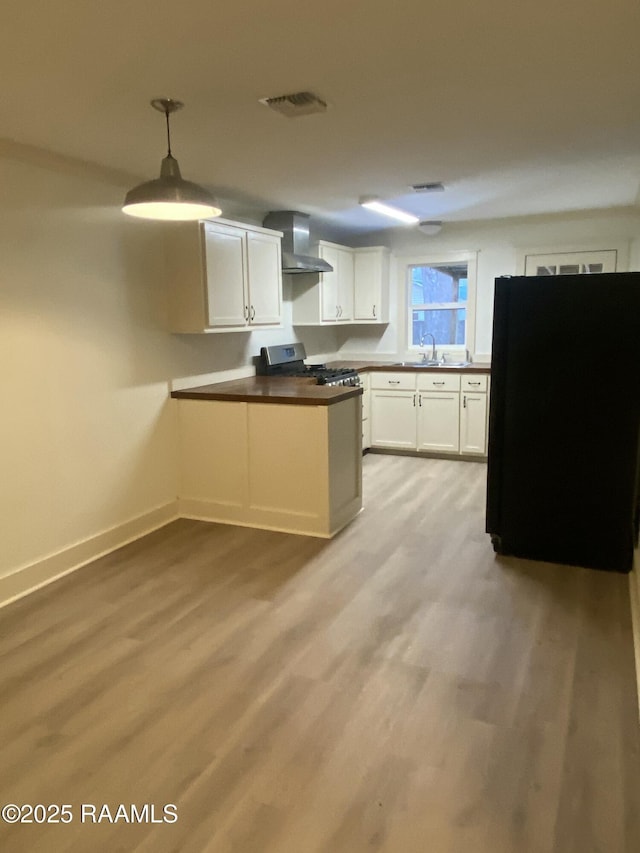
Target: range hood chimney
[{"x": 295, "y": 242}]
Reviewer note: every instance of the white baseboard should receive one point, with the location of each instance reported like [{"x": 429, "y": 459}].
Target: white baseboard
[
  {"x": 634, "y": 593},
  {"x": 31, "y": 577},
  {"x": 303, "y": 524}
]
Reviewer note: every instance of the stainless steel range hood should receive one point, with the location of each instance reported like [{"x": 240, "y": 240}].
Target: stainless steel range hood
[{"x": 295, "y": 242}]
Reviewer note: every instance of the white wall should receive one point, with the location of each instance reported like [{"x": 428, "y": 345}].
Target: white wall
[
  {"x": 499, "y": 244},
  {"x": 86, "y": 432}
]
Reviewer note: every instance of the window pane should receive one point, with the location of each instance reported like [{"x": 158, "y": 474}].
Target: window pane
[
  {"x": 445, "y": 283},
  {"x": 592, "y": 268},
  {"x": 447, "y": 325},
  {"x": 546, "y": 271},
  {"x": 569, "y": 269}
]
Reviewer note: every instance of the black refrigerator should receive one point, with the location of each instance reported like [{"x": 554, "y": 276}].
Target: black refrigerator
[{"x": 564, "y": 419}]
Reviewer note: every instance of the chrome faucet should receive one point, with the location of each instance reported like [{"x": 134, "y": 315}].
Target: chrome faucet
[{"x": 434, "y": 354}]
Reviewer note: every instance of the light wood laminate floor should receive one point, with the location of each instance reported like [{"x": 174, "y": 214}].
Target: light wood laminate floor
[{"x": 397, "y": 689}]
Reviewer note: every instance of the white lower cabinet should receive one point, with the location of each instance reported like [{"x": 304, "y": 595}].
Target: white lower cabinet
[
  {"x": 439, "y": 421},
  {"x": 432, "y": 411},
  {"x": 295, "y": 468},
  {"x": 393, "y": 410},
  {"x": 393, "y": 419},
  {"x": 366, "y": 411},
  {"x": 474, "y": 412},
  {"x": 438, "y": 411},
  {"x": 473, "y": 423}
]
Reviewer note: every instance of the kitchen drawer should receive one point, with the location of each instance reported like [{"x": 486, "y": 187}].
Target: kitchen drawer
[
  {"x": 438, "y": 381},
  {"x": 474, "y": 383},
  {"x": 401, "y": 381}
]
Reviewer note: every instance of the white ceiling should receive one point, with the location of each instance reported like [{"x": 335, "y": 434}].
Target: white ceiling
[{"x": 519, "y": 108}]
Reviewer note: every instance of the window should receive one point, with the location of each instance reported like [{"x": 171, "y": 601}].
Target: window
[
  {"x": 438, "y": 295},
  {"x": 439, "y": 292},
  {"x": 571, "y": 263},
  {"x": 568, "y": 269}
]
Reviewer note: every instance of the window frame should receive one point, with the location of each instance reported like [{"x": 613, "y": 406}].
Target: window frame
[
  {"x": 608, "y": 258},
  {"x": 436, "y": 259},
  {"x": 578, "y": 251}
]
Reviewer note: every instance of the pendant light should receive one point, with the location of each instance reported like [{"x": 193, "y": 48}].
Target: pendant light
[{"x": 170, "y": 197}]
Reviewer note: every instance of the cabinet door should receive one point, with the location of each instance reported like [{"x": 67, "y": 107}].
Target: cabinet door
[
  {"x": 473, "y": 423},
  {"x": 366, "y": 413},
  {"x": 224, "y": 248},
  {"x": 345, "y": 285},
  {"x": 264, "y": 277},
  {"x": 213, "y": 462},
  {"x": 371, "y": 275},
  {"x": 329, "y": 285},
  {"x": 393, "y": 419},
  {"x": 439, "y": 421}
]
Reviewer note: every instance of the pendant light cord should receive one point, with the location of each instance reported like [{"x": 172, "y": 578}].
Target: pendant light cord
[{"x": 166, "y": 112}]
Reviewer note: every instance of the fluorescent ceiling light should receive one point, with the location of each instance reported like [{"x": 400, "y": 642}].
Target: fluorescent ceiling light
[
  {"x": 170, "y": 197},
  {"x": 373, "y": 203}
]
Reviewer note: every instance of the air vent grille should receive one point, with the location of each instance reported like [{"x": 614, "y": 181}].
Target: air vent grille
[
  {"x": 297, "y": 104},
  {"x": 432, "y": 187}
]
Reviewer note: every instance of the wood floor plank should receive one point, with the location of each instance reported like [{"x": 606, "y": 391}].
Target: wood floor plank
[{"x": 398, "y": 688}]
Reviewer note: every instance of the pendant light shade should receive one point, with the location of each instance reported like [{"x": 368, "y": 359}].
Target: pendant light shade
[{"x": 170, "y": 197}]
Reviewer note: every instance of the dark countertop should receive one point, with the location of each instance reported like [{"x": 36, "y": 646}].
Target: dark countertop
[
  {"x": 302, "y": 391},
  {"x": 365, "y": 366},
  {"x": 270, "y": 389}
]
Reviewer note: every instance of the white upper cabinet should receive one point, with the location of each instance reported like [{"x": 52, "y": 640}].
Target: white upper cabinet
[
  {"x": 223, "y": 276},
  {"x": 264, "y": 277},
  {"x": 336, "y": 287},
  {"x": 327, "y": 288},
  {"x": 224, "y": 270},
  {"x": 371, "y": 285},
  {"x": 356, "y": 291},
  {"x": 345, "y": 284}
]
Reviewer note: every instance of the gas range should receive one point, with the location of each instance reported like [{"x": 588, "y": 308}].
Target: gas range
[{"x": 288, "y": 360}]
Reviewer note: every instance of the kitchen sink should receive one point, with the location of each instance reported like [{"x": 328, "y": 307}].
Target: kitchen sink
[
  {"x": 455, "y": 364},
  {"x": 431, "y": 364}
]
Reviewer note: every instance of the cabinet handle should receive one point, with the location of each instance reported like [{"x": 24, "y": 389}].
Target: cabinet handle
[
  {"x": 420, "y": 399},
  {"x": 246, "y": 312},
  {"x": 337, "y": 311},
  {"x": 340, "y": 307},
  {"x": 414, "y": 401},
  {"x": 473, "y": 383},
  {"x": 464, "y": 401},
  {"x": 437, "y": 383},
  {"x": 374, "y": 311},
  {"x": 253, "y": 313},
  {"x": 393, "y": 381}
]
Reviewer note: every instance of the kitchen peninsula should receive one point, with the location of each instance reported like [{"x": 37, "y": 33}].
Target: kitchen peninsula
[{"x": 276, "y": 453}]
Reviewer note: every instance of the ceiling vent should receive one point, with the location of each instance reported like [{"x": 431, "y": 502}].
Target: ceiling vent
[
  {"x": 298, "y": 104},
  {"x": 433, "y": 187}
]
